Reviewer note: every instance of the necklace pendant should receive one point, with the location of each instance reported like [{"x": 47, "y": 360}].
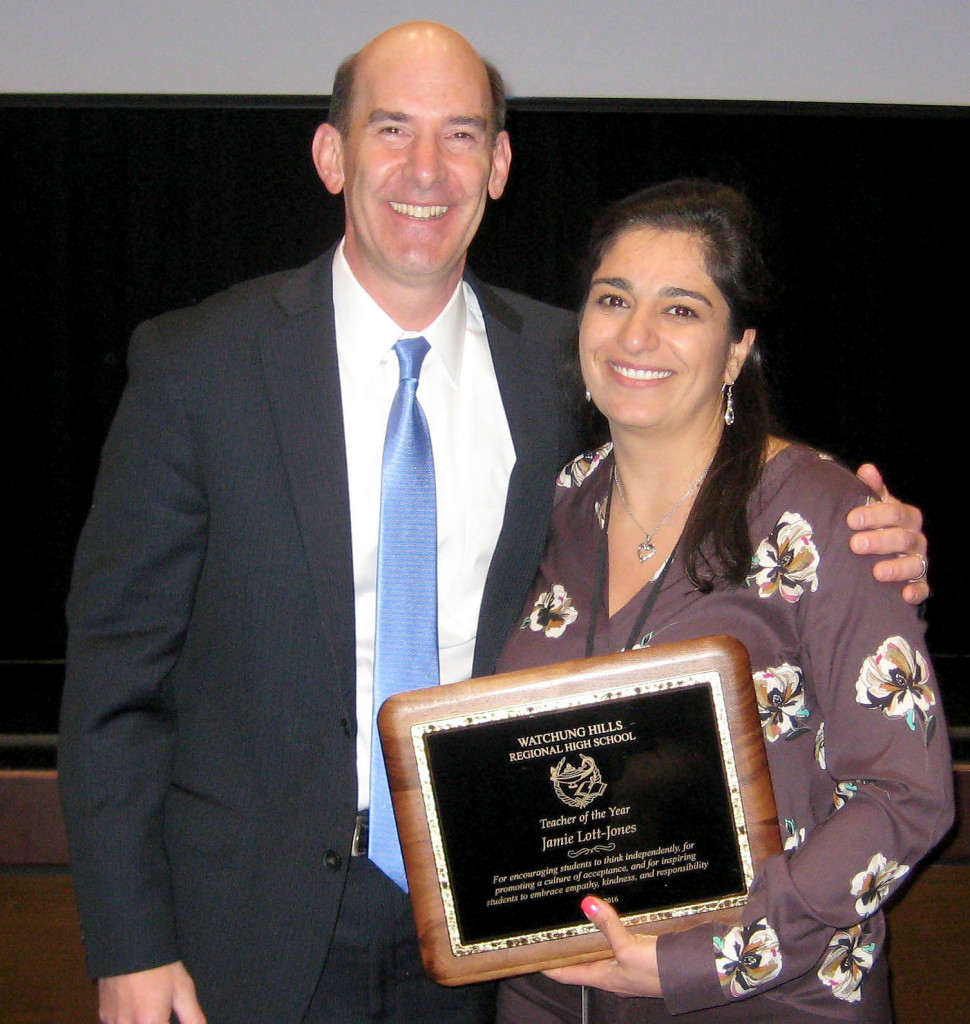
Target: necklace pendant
[{"x": 645, "y": 551}]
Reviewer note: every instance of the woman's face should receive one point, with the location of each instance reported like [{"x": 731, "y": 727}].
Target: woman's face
[{"x": 653, "y": 341}]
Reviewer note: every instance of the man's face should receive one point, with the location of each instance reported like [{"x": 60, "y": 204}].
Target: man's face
[{"x": 418, "y": 160}]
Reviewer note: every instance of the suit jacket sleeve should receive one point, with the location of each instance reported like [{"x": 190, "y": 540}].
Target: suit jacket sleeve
[{"x": 136, "y": 570}]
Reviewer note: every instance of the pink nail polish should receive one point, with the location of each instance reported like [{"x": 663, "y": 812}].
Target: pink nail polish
[{"x": 589, "y": 906}]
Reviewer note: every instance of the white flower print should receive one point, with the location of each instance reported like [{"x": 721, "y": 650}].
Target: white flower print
[
  {"x": 787, "y": 560},
  {"x": 872, "y": 885},
  {"x": 845, "y": 791},
  {"x": 820, "y": 746},
  {"x": 846, "y": 963},
  {"x": 893, "y": 680},
  {"x": 796, "y": 836},
  {"x": 599, "y": 510},
  {"x": 552, "y": 612},
  {"x": 747, "y": 957},
  {"x": 781, "y": 702},
  {"x": 575, "y": 472}
]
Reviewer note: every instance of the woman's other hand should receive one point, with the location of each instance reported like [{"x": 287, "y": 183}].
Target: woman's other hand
[{"x": 633, "y": 969}]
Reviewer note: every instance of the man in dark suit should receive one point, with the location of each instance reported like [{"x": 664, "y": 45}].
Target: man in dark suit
[{"x": 215, "y": 719}]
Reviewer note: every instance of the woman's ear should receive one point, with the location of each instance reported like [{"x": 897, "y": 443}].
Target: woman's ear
[{"x": 737, "y": 354}]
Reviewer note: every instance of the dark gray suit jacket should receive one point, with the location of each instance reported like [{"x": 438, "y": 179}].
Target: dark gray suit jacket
[{"x": 207, "y": 749}]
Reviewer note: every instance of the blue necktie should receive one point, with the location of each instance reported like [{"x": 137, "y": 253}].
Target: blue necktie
[{"x": 406, "y": 640}]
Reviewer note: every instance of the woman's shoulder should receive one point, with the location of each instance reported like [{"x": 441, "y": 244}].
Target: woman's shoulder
[
  {"x": 806, "y": 484},
  {"x": 577, "y": 471},
  {"x": 798, "y": 470}
]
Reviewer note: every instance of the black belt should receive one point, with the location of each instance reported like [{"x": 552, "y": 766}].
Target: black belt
[{"x": 358, "y": 848}]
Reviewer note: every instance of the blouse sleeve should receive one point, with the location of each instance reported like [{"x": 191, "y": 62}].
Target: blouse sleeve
[{"x": 879, "y": 774}]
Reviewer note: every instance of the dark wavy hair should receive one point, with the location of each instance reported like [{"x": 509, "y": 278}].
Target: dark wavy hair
[
  {"x": 341, "y": 97},
  {"x": 716, "y": 539}
]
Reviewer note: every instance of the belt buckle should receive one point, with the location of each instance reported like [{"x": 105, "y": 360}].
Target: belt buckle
[{"x": 358, "y": 848}]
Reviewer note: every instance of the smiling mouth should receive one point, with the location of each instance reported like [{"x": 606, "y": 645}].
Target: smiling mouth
[
  {"x": 420, "y": 212},
  {"x": 633, "y": 374}
]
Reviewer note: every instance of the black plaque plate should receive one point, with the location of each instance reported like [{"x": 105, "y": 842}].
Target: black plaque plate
[{"x": 639, "y": 777}]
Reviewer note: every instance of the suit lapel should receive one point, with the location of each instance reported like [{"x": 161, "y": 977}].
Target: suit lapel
[
  {"x": 529, "y": 386},
  {"x": 300, "y": 365}
]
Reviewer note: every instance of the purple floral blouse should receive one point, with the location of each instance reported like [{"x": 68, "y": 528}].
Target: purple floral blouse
[{"x": 856, "y": 741}]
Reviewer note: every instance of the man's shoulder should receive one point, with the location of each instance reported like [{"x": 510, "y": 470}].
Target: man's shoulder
[
  {"x": 251, "y": 304},
  {"x": 520, "y": 311}
]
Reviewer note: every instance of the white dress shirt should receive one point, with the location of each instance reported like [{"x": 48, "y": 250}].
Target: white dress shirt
[{"x": 473, "y": 460}]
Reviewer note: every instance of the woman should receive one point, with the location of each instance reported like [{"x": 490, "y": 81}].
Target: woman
[{"x": 697, "y": 520}]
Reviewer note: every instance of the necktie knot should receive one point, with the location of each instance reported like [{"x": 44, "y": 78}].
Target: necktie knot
[{"x": 410, "y": 354}]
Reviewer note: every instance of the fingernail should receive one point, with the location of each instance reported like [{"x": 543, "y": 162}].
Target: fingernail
[
  {"x": 855, "y": 520},
  {"x": 589, "y": 906}
]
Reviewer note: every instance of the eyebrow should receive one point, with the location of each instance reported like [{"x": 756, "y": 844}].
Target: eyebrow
[
  {"x": 670, "y": 292},
  {"x": 387, "y": 115},
  {"x": 469, "y": 121},
  {"x": 685, "y": 293},
  {"x": 399, "y": 117},
  {"x": 612, "y": 282}
]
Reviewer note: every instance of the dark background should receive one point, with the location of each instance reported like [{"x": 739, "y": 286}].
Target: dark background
[{"x": 117, "y": 209}]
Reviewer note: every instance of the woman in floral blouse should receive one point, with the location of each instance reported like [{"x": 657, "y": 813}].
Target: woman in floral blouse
[{"x": 696, "y": 520}]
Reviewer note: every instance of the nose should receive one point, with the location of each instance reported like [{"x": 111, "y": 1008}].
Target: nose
[
  {"x": 425, "y": 161},
  {"x": 641, "y": 332}
]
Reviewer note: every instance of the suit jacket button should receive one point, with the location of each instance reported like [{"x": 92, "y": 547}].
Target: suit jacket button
[
  {"x": 333, "y": 860},
  {"x": 345, "y": 725}
]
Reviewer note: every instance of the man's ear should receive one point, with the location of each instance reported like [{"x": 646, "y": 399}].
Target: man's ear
[
  {"x": 328, "y": 157},
  {"x": 501, "y": 162}
]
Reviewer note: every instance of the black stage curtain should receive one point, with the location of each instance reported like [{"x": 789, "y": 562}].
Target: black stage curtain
[{"x": 115, "y": 210}]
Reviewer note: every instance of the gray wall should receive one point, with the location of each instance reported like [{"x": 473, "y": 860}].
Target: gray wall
[{"x": 871, "y": 51}]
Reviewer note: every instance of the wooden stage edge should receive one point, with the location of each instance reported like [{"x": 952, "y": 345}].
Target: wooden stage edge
[{"x": 42, "y": 975}]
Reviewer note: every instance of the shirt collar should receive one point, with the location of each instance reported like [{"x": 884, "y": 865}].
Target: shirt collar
[{"x": 372, "y": 333}]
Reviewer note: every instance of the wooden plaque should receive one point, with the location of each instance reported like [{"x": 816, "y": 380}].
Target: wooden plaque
[{"x": 639, "y": 777}]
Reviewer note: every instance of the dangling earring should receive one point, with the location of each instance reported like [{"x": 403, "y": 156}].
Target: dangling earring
[
  {"x": 589, "y": 397},
  {"x": 728, "y": 390}
]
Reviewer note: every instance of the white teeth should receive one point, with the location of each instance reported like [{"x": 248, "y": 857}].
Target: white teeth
[
  {"x": 420, "y": 212},
  {"x": 628, "y": 371}
]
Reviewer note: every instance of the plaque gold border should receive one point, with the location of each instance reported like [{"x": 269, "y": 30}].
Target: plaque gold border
[{"x": 719, "y": 663}]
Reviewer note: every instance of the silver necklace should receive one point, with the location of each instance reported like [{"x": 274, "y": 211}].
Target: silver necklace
[{"x": 646, "y": 549}]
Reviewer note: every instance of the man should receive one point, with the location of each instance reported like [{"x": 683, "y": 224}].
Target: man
[{"x": 216, "y": 715}]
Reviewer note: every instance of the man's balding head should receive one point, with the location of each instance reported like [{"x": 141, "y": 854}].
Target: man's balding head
[{"x": 341, "y": 96}]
